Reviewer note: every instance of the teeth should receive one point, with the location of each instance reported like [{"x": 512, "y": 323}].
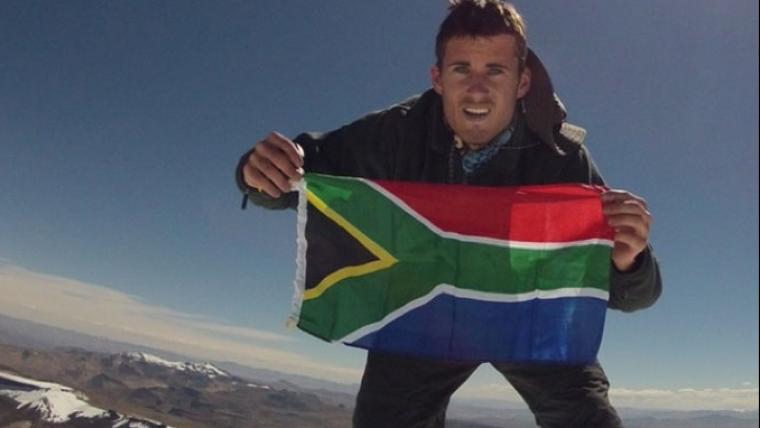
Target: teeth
[{"x": 477, "y": 110}]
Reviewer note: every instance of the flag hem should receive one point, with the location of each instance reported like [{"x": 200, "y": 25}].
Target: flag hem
[{"x": 299, "y": 283}]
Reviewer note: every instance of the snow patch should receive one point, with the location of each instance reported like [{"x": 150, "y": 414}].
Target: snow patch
[
  {"x": 32, "y": 382},
  {"x": 253, "y": 385},
  {"x": 125, "y": 422},
  {"x": 207, "y": 369}
]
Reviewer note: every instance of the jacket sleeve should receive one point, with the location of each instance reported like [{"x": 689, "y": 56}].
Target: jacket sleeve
[
  {"x": 362, "y": 148},
  {"x": 639, "y": 287}
]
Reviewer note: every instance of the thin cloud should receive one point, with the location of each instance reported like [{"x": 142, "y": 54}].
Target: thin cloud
[
  {"x": 490, "y": 391},
  {"x": 103, "y": 312},
  {"x": 100, "y": 311},
  {"x": 685, "y": 399}
]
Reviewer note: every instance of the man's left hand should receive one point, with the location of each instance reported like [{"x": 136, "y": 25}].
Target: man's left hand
[{"x": 627, "y": 214}]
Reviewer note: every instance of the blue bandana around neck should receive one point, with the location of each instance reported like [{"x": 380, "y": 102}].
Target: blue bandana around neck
[{"x": 474, "y": 159}]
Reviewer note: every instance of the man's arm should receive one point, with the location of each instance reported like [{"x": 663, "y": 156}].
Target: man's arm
[
  {"x": 635, "y": 281},
  {"x": 362, "y": 148}
]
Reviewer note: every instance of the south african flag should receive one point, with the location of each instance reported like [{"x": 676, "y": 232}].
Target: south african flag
[{"x": 454, "y": 272}]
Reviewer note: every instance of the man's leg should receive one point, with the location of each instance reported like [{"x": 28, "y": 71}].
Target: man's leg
[
  {"x": 564, "y": 396},
  {"x": 404, "y": 392}
]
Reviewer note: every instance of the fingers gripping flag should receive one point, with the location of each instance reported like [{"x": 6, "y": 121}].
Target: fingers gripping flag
[{"x": 510, "y": 274}]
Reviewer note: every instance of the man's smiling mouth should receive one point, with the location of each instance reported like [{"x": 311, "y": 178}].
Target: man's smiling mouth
[{"x": 476, "y": 112}]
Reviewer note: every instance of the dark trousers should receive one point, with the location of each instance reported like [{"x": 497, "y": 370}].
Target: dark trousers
[{"x": 403, "y": 392}]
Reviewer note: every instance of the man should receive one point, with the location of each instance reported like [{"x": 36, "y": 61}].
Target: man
[{"x": 491, "y": 119}]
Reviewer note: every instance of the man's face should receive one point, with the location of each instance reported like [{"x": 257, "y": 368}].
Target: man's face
[{"x": 480, "y": 84}]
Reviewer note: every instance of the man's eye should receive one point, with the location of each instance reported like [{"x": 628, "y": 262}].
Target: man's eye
[
  {"x": 460, "y": 69},
  {"x": 495, "y": 71}
]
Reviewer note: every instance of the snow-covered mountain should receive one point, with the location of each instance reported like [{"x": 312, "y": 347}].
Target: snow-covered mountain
[
  {"x": 58, "y": 404},
  {"x": 149, "y": 388}
]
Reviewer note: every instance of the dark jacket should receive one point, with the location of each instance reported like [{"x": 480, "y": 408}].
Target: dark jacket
[{"x": 411, "y": 142}]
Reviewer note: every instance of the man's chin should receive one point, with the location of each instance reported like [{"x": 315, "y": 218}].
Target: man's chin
[{"x": 476, "y": 140}]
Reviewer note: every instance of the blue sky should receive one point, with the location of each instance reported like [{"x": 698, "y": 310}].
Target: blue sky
[{"x": 121, "y": 123}]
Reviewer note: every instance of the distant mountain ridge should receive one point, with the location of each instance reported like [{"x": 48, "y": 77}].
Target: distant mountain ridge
[
  {"x": 148, "y": 388},
  {"x": 157, "y": 385},
  {"x": 39, "y": 336}
]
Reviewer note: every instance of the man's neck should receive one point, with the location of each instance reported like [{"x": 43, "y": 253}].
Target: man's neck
[
  {"x": 475, "y": 158},
  {"x": 500, "y": 139}
]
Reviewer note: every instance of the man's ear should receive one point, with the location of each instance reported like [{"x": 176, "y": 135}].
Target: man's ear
[
  {"x": 435, "y": 78},
  {"x": 524, "y": 86}
]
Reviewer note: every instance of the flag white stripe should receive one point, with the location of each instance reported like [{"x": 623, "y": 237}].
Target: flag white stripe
[{"x": 474, "y": 295}]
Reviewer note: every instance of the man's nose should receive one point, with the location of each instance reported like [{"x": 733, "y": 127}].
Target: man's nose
[{"x": 477, "y": 84}]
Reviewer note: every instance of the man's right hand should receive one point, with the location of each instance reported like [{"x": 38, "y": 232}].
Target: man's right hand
[{"x": 274, "y": 163}]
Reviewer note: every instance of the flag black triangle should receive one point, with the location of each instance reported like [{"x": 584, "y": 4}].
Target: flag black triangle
[{"x": 330, "y": 248}]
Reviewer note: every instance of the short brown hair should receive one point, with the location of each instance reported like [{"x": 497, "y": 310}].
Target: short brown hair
[{"x": 481, "y": 18}]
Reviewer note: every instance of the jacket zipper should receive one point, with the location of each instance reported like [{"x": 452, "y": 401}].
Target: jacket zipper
[{"x": 451, "y": 180}]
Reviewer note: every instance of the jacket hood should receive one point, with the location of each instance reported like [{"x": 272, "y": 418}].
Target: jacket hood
[{"x": 544, "y": 112}]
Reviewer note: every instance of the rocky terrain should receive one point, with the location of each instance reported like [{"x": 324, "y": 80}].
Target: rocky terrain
[
  {"x": 46, "y": 382},
  {"x": 149, "y": 388}
]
